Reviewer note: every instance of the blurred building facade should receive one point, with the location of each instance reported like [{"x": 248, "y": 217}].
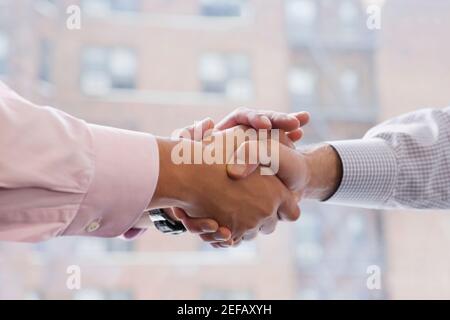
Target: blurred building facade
[
  {"x": 414, "y": 73},
  {"x": 158, "y": 65}
]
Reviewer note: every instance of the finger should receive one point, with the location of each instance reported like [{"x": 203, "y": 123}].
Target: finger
[
  {"x": 205, "y": 127},
  {"x": 223, "y": 244},
  {"x": 262, "y": 119},
  {"x": 245, "y": 116},
  {"x": 303, "y": 117},
  {"x": 198, "y": 130},
  {"x": 222, "y": 235},
  {"x": 179, "y": 213},
  {"x": 228, "y": 243},
  {"x": 292, "y": 169},
  {"x": 269, "y": 226},
  {"x": 200, "y": 225},
  {"x": 262, "y": 136},
  {"x": 208, "y": 237},
  {"x": 241, "y": 168},
  {"x": 289, "y": 209},
  {"x": 247, "y": 157},
  {"x": 285, "y": 139},
  {"x": 282, "y": 121},
  {"x": 196, "y": 225},
  {"x": 295, "y": 135}
]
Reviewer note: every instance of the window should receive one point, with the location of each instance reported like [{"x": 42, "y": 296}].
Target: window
[
  {"x": 4, "y": 52},
  {"x": 50, "y": 2},
  {"x": 226, "y": 75},
  {"x": 105, "y": 7},
  {"x": 348, "y": 13},
  {"x": 301, "y": 19},
  {"x": 301, "y": 12},
  {"x": 45, "y": 59},
  {"x": 349, "y": 83},
  {"x": 356, "y": 226},
  {"x": 309, "y": 248},
  {"x": 124, "y": 5},
  {"x": 309, "y": 254},
  {"x": 46, "y": 6},
  {"x": 96, "y": 7},
  {"x": 303, "y": 87},
  {"x": 104, "y": 69},
  {"x": 222, "y": 8},
  {"x": 302, "y": 82}
]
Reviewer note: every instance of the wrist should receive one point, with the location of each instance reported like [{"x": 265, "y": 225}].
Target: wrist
[
  {"x": 173, "y": 178},
  {"x": 325, "y": 172}
]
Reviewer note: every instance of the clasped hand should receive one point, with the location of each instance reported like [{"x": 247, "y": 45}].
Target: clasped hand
[{"x": 231, "y": 201}]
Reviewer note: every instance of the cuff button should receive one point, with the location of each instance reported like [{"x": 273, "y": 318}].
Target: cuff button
[{"x": 93, "y": 226}]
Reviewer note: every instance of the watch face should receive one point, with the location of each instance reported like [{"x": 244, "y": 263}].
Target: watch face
[{"x": 165, "y": 224}]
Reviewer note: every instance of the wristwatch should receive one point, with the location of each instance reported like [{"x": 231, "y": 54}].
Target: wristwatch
[{"x": 164, "y": 223}]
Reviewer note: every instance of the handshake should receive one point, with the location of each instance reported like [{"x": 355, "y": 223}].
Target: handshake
[{"x": 230, "y": 181}]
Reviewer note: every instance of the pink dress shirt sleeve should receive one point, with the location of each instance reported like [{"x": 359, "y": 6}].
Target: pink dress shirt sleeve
[{"x": 60, "y": 176}]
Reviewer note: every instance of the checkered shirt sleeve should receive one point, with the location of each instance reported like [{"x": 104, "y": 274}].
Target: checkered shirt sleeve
[{"x": 402, "y": 163}]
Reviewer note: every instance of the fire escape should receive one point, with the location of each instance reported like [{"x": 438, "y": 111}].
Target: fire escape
[
  {"x": 323, "y": 48},
  {"x": 320, "y": 46}
]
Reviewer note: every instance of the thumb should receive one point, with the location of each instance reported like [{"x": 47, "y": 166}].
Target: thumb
[
  {"x": 291, "y": 168},
  {"x": 289, "y": 209},
  {"x": 247, "y": 158},
  {"x": 238, "y": 167}
]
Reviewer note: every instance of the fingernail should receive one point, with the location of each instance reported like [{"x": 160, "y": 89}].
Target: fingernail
[
  {"x": 220, "y": 237},
  {"x": 237, "y": 170},
  {"x": 301, "y": 114},
  {"x": 208, "y": 228}
]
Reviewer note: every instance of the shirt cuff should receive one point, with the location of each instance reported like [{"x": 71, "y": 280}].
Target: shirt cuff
[
  {"x": 369, "y": 172},
  {"x": 124, "y": 181}
]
